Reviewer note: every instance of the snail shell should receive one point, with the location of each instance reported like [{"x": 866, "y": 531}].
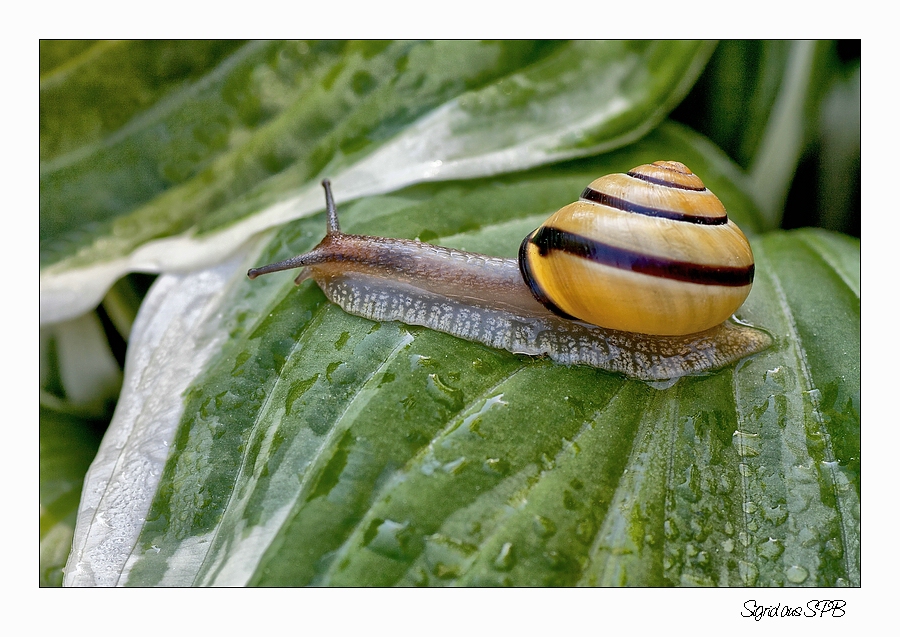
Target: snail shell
[
  {"x": 652, "y": 252},
  {"x": 638, "y": 277}
]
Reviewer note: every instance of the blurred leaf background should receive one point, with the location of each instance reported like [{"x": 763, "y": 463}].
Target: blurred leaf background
[{"x": 172, "y": 157}]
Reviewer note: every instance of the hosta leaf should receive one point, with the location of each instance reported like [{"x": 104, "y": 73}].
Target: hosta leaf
[
  {"x": 67, "y": 444},
  {"x": 200, "y": 161},
  {"x": 266, "y": 437}
]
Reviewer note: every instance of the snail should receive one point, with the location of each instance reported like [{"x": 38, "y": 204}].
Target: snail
[{"x": 639, "y": 276}]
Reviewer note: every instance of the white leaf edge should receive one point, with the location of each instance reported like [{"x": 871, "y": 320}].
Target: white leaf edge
[
  {"x": 175, "y": 334},
  {"x": 432, "y": 149}
]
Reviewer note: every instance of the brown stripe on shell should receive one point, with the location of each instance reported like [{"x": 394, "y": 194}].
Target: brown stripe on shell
[
  {"x": 536, "y": 290},
  {"x": 548, "y": 239},
  {"x": 589, "y": 194},
  {"x": 671, "y": 174}
]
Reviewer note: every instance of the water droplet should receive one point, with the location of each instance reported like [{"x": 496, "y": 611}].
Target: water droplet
[
  {"x": 419, "y": 577},
  {"x": 747, "y": 444},
  {"x": 797, "y": 574},
  {"x": 728, "y": 545},
  {"x": 689, "y": 489},
  {"x": 417, "y": 361},
  {"x": 558, "y": 561},
  {"x": 430, "y": 465},
  {"x": 497, "y": 466},
  {"x": 774, "y": 376},
  {"x": 584, "y": 530},
  {"x": 814, "y": 395},
  {"x": 506, "y": 558},
  {"x": 670, "y": 529},
  {"x": 544, "y": 527},
  {"x": 445, "y": 571},
  {"x": 750, "y": 507},
  {"x": 696, "y": 580},
  {"x": 390, "y": 539},
  {"x": 446, "y": 556},
  {"x": 808, "y": 537},
  {"x": 546, "y": 462},
  {"x": 697, "y": 529},
  {"x": 775, "y": 515},
  {"x": 472, "y": 422},
  {"x": 834, "y": 548},
  {"x": 444, "y": 393},
  {"x": 662, "y": 385},
  {"x": 454, "y": 466},
  {"x": 724, "y": 486},
  {"x": 771, "y": 549},
  {"x": 748, "y": 573}
]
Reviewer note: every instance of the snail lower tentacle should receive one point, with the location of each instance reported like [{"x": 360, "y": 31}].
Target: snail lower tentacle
[{"x": 485, "y": 299}]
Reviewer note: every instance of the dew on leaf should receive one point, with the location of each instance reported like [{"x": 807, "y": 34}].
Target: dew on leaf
[
  {"x": 771, "y": 549},
  {"x": 506, "y": 558},
  {"x": 498, "y": 466},
  {"x": 797, "y": 574},
  {"x": 748, "y": 573},
  {"x": 544, "y": 527},
  {"x": 747, "y": 444},
  {"x": 670, "y": 529},
  {"x": 454, "y": 466},
  {"x": 417, "y": 361},
  {"x": 445, "y": 571},
  {"x": 449, "y": 396},
  {"x": 391, "y": 539}
]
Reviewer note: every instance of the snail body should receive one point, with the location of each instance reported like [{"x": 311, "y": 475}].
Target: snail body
[{"x": 638, "y": 277}]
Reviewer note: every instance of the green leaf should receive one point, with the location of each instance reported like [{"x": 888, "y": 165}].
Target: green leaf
[
  {"x": 193, "y": 158},
  {"x": 772, "y": 104},
  {"x": 263, "y": 436},
  {"x": 309, "y": 446},
  {"x": 67, "y": 445}
]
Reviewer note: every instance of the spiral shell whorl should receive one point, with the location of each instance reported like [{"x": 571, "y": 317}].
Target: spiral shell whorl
[{"x": 651, "y": 251}]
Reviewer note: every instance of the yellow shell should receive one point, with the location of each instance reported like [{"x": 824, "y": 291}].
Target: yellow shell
[{"x": 651, "y": 251}]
